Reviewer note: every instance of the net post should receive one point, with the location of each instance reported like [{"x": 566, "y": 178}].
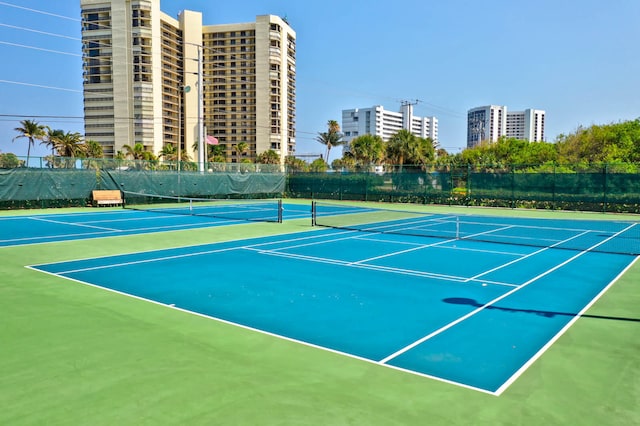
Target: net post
[
  {"x": 280, "y": 211},
  {"x": 313, "y": 213},
  {"x": 457, "y": 227}
]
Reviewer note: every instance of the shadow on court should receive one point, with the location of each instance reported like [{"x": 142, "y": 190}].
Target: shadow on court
[{"x": 548, "y": 314}]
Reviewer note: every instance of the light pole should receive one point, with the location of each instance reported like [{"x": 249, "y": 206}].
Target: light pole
[{"x": 183, "y": 89}]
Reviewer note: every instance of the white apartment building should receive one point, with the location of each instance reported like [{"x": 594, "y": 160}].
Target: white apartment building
[
  {"x": 526, "y": 125},
  {"x": 378, "y": 121},
  {"x": 491, "y": 122},
  {"x": 143, "y": 70}
]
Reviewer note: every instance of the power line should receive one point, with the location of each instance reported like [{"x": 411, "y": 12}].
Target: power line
[
  {"x": 42, "y": 12},
  {"x": 39, "y": 48},
  {"x": 213, "y": 65},
  {"x": 39, "y": 32}
]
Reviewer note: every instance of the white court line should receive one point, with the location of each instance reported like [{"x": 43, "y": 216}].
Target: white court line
[
  {"x": 139, "y": 217},
  {"x": 139, "y": 262},
  {"x": 400, "y": 271},
  {"x": 161, "y": 258},
  {"x": 497, "y": 299},
  {"x": 555, "y": 338},
  {"x": 525, "y": 257},
  {"x": 396, "y": 253},
  {"x": 118, "y": 232},
  {"x": 82, "y": 225},
  {"x": 426, "y": 246},
  {"x": 268, "y": 333}
]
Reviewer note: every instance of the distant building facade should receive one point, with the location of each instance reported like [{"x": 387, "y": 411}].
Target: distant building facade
[
  {"x": 491, "y": 122},
  {"x": 142, "y": 69},
  {"x": 380, "y": 122}
]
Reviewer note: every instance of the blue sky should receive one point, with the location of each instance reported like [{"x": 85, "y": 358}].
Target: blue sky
[{"x": 577, "y": 60}]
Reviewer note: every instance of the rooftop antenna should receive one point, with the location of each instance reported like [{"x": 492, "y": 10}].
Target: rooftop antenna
[{"x": 414, "y": 102}]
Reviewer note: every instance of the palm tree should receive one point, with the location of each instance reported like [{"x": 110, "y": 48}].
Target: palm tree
[
  {"x": 269, "y": 157},
  {"x": 169, "y": 152},
  {"x": 216, "y": 154},
  {"x": 331, "y": 138},
  {"x": 368, "y": 149},
  {"x": 401, "y": 146},
  {"x": 69, "y": 145},
  {"x": 138, "y": 152},
  {"x": 32, "y": 131},
  {"x": 93, "y": 149},
  {"x": 50, "y": 137},
  {"x": 241, "y": 148}
]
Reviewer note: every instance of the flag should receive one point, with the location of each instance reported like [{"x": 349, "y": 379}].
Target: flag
[{"x": 211, "y": 140}]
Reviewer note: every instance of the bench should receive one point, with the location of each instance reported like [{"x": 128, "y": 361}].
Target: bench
[{"x": 107, "y": 197}]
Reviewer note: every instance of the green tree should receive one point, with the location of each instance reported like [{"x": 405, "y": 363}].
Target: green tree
[
  {"x": 69, "y": 145},
  {"x": 169, "y": 152},
  {"x": 216, "y": 154},
  {"x": 9, "y": 161},
  {"x": 318, "y": 166},
  {"x": 142, "y": 157},
  {"x": 331, "y": 138},
  {"x": 269, "y": 157},
  {"x": 32, "y": 131},
  {"x": 367, "y": 149},
  {"x": 50, "y": 138},
  {"x": 615, "y": 142},
  {"x": 93, "y": 149},
  {"x": 295, "y": 164},
  {"x": 138, "y": 152},
  {"x": 241, "y": 149},
  {"x": 346, "y": 163},
  {"x": 401, "y": 147}
]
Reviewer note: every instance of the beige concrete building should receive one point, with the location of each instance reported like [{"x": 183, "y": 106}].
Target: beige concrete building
[{"x": 157, "y": 80}]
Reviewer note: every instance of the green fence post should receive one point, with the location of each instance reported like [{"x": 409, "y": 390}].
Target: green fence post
[
  {"x": 553, "y": 188},
  {"x": 605, "y": 170},
  {"x": 468, "y": 186},
  {"x": 366, "y": 186}
]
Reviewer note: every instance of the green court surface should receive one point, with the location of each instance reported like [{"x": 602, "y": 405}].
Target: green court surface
[{"x": 74, "y": 354}]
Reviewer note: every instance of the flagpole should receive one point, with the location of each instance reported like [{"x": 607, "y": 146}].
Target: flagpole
[{"x": 200, "y": 114}]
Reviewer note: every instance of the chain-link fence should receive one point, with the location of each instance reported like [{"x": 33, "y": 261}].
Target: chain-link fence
[
  {"x": 606, "y": 188},
  {"x": 59, "y": 182}
]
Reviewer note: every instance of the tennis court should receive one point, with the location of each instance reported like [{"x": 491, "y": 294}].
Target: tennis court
[
  {"x": 468, "y": 300},
  {"x": 144, "y": 214}
]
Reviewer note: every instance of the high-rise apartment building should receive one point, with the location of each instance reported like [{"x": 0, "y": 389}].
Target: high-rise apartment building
[
  {"x": 143, "y": 70},
  {"x": 378, "y": 121},
  {"x": 486, "y": 123},
  {"x": 491, "y": 122},
  {"x": 526, "y": 125}
]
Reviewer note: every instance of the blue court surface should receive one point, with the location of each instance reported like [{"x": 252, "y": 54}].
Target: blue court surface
[
  {"x": 467, "y": 312},
  {"x": 43, "y": 228}
]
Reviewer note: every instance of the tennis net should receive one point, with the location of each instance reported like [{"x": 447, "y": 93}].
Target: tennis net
[
  {"x": 607, "y": 236},
  {"x": 258, "y": 210}
]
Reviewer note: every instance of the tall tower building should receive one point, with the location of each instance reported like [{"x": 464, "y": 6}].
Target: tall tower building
[
  {"x": 143, "y": 70},
  {"x": 486, "y": 123},
  {"x": 490, "y": 123}
]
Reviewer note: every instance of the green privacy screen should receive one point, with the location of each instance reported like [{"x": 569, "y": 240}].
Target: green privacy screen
[
  {"x": 592, "y": 190},
  {"x": 42, "y": 188}
]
